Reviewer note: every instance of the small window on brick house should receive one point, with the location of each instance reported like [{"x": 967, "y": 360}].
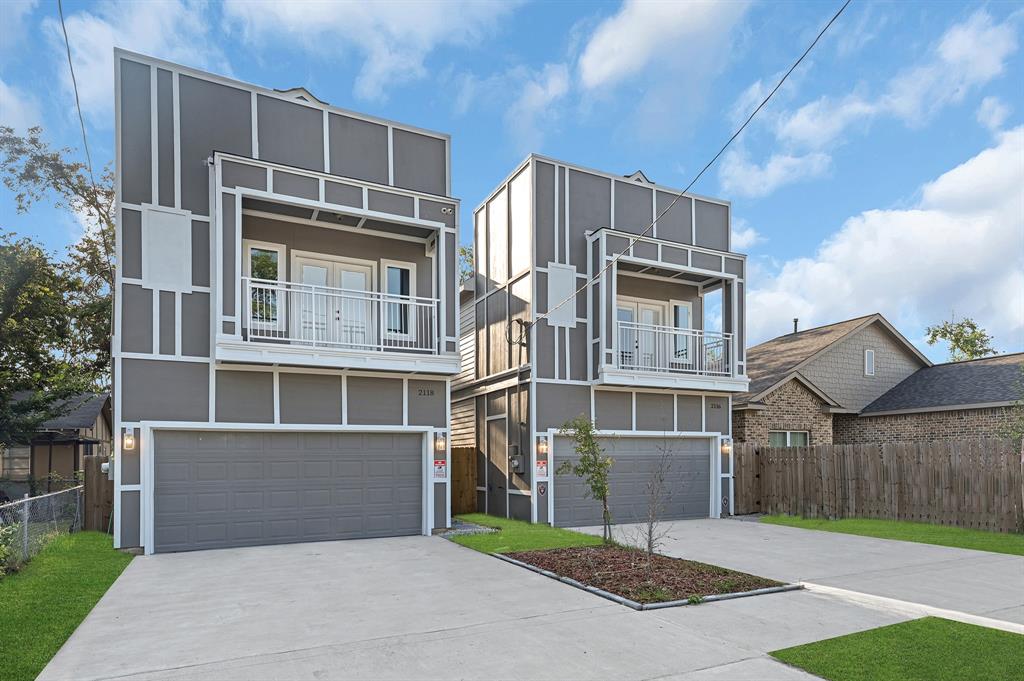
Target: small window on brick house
[
  {"x": 869, "y": 362},
  {"x": 788, "y": 438}
]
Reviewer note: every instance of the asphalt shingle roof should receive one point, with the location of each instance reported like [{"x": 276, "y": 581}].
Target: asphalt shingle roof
[
  {"x": 979, "y": 381},
  {"x": 773, "y": 360}
]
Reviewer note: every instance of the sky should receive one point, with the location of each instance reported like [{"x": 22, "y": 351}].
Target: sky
[{"x": 887, "y": 175}]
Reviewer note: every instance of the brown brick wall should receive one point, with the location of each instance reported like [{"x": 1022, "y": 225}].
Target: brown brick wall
[
  {"x": 922, "y": 427},
  {"x": 790, "y": 407}
]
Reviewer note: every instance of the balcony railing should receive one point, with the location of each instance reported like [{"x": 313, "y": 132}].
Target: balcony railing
[
  {"x": 327, "y": 317},
  {"x": 666, "y": 349}
]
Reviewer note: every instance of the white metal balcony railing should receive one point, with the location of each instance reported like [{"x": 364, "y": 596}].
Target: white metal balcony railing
[
  {"x": 645, "y": 347},
  {"x": 326, "y": 317}
]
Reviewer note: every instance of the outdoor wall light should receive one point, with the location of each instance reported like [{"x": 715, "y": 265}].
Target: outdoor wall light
[
  {"x": 726, "y": 446},
  {"x": 128, "y": 439},
  {"x": 542, "y": 446},
  {"x": 440, "y": 442}
]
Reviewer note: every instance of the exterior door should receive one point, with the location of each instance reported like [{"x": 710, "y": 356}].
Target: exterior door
[
  {"x": 328, "y": 315},
  {"x": 641, "y": 344},
  {"x": 355, "y": 306}
]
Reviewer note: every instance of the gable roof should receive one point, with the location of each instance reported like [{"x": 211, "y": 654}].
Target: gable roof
[
  {"x": 777, "y": 360},
  {"x": 80, "y": 411},
  {"x": 990, "y": 380}
]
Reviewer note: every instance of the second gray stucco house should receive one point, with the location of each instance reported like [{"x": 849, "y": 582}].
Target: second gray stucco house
[
  {"x": 633, "y": 352},
  {"x": 286, "y": 326}
]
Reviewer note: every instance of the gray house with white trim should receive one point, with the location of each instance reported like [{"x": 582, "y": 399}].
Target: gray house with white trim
[
  {"x": 634, "y": 351},
  {"x": 286, "y": 328}
]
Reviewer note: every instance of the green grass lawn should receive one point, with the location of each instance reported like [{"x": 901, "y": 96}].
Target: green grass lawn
[
  {"x": 929, "y": 649},
  {"x": 41, "y": 605},
  {"x": 518, "y": 535},
  {"x": 924, "y": 533}
]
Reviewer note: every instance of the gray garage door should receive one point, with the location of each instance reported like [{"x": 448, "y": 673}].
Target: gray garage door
[
  {"x": 215, "y": 489},
  {"x": 636, "y": 458}
]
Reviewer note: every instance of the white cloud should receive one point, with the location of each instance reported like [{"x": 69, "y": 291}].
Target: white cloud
[
  {"x": 529, "y": 101},
  {"x": 817, "y": 124},
  {"x": 170, "y": 29},
  {"x": 743, "y": 235},
  {"x": 992, "y": 113},
  {"x": 13, "y": 16},
  {"x": 393, "y": 38},
  {"x": 966, "y": 57},
  {"x": 960, "y": 248},
  {"x": 644, "y": 31},
  {"x": 739, "y": 176},
  {"x": 532, "y": 111},
  {"x": 18, "y": 109}
]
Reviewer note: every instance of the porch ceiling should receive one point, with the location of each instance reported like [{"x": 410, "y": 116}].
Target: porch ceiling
[{"x": 333, "y": 216}]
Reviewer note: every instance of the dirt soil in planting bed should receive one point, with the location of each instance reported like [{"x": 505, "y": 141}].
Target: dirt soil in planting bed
[{"x": 626, "y": 572}]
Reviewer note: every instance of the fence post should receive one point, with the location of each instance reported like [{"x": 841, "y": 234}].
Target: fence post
[
  {"x": 76, "y": 524},
  {"x": 24, "y": 526}
]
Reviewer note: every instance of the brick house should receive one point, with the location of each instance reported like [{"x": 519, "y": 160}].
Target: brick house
[{"x": 860, "y": 380}]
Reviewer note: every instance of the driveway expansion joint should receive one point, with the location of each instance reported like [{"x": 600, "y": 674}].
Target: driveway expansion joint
[{"x": 911, "y": 608}]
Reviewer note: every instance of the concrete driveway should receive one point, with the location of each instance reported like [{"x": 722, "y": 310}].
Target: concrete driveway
[
  {"x": 973, "y": 582},
  {"x": 418, "y": 607}
]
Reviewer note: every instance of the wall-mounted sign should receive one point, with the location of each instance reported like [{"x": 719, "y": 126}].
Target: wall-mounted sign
[
  {"x": 542, "y": 488},
  {"x": 440, "y": 469},
  {"x": 542, "y": 469}
]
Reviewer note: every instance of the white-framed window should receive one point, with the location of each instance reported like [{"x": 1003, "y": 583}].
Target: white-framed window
[
  {"x": 263, "y": 263},
  {"x": 869, "y": 362},
  {"x": 398, "y": 281},
  {"x": 683, "y": 344},
  {"x": 788, "y": 438}
]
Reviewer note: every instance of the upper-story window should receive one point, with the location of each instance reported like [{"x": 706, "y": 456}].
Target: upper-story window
[
  {"x": 399, "y": 281},
  {"x": 869, "y": 362},
  {"x": 264, "y": 264}
]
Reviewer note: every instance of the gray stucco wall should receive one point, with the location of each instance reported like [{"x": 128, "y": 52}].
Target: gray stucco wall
[
  {"x": 839, "y": 372},
  {"x": 245, "y": 397},
  {"x": 164, "y": 390},
  {"x": 428, "y": 403},
  {"x": 310, "y": 398},
  {"x": 374, "y": 401}
]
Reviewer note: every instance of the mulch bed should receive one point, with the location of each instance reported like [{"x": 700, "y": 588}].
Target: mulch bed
[{"x": 626, "y": 572}]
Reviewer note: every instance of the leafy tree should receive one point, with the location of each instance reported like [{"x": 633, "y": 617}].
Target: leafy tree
[
  {"x": 966, "y": 339},
  {"x": 38, "y": 361},
  {"x": 56, "y": 316},
  {"x": 593, "y": 465},
  {"x": 466, "y": 263},
  {"x": 34, "y": 171}
]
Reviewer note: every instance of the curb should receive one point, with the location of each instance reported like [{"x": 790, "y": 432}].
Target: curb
[{"x": 629, "y": 603}]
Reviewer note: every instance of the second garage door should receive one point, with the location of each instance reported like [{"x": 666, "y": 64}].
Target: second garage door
[
  {"x": 221, "y": 489},
  {"x": 687, "y": 481}
]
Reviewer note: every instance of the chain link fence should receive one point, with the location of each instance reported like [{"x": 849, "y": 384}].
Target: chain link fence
[{"x": 27, "y": 525}]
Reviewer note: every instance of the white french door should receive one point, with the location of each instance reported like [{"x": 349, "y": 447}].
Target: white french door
[
  {"x": 325, "y": 314},
  {"x": 638, "y": 339}
]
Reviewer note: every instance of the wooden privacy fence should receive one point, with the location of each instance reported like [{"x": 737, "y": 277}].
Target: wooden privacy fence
[
  {"x": 463, "y": 480},
  {"x": 99, "y": 495},
  {"x": 968, "y": 483}
]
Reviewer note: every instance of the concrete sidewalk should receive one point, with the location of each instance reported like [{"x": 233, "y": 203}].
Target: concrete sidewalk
[
  {"x": 418, "y": 607},
  {"x": 974, "y": 582}
]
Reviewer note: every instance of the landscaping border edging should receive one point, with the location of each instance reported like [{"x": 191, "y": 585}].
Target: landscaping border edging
[{"x": 629, "y": 603}]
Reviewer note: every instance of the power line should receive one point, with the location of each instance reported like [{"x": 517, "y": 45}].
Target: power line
[
  {"x": 526, "y": 326},
  {"x": 78, "y": 103}
]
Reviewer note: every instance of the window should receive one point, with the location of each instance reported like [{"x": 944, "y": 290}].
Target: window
[
  {"x": 869, "y": 362},
  {"x": 263, "y": 264},
  {"x": 788, "y": 438},
  {"x": 399, "y": 309},
  {"x": 683, "y": 343}
]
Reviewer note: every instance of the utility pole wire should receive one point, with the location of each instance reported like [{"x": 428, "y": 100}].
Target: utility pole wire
[
  {"x": 108, "y": 250},
  {"x": 526, "y": 326}
]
